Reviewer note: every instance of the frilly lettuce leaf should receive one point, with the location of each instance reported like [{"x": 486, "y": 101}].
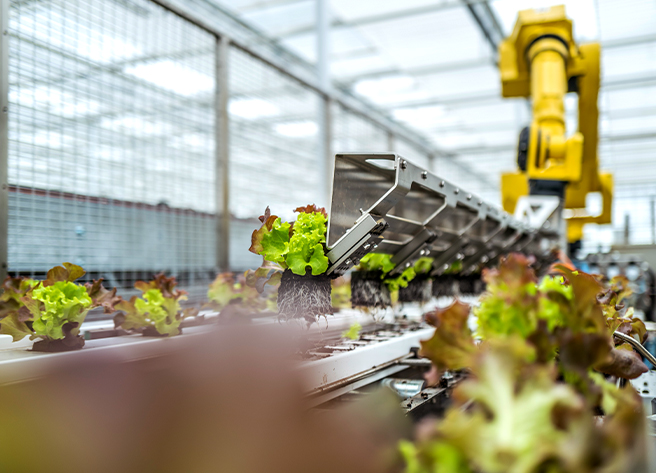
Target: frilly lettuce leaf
[
  {"x": 511, "y": 303},
  {"x": 68, "y": 272},
  {"x": 353, "y": 332},
  {"x": 295, "y": 246},
  {"x": 376, "y": 262},
  {"x": 267, "y": 274},
  {"x": 402, "y": 280},
  {"x": 55, "y": 308},
  {"x": 424, "y": 265},
  {"x": 158, "y": 307},
  {"x": 14, "y": 326},
  {"x": 452, "y": 346},
  {"x": 275, "y": 242},
  {"x": 383, "y": 262},
  {"x": 522, "y": 419},
  {"x": 163, "y": 284},
  {"x": 13, "y": 290},
  {"x": 61, "y": 302},
  {"x": 310, "y": 209}
]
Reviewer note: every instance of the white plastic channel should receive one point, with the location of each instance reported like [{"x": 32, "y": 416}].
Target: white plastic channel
[{"x": 324, "y": 374}]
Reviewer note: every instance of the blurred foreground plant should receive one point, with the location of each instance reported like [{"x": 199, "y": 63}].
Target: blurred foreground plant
[{"x": 536, "y": 362}]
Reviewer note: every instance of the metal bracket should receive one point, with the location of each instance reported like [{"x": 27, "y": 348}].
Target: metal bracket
[{"x": 538, "y": 210}]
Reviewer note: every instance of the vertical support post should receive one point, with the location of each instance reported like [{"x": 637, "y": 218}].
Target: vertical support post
[
  {"x": 390, "y": 141},
  {"x": 323, "y": 51},
  {"x": 327, "y": 147},
  {"x": 222, "y": 136},
  {"x": 627, "y": 228},
  {"x": 652, "y": 215},
  {"x": 324, "y": 119},
  {"x": 4, "y": 138}
]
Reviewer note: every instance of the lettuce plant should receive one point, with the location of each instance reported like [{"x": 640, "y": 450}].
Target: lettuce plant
[
  {"x": 157, "y": 311},
  {"x": 294, "y": 257},
  {"x": 54, "y": 309},
  {"x": 522, "y": 419},
  {"x": 298, "y": 246},
  {"x": 568, "y": 314},
  {"x": 13, "y": 290},
  {"x": 536, "y": 364},
  {"x": 383, "y": 263}
]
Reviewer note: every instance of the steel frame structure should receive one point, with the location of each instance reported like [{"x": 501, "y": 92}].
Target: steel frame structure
[{"x": 223, "y": 43}]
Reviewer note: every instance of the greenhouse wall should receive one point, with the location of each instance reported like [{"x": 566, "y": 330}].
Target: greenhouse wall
[{"x": 117, "y": 156}]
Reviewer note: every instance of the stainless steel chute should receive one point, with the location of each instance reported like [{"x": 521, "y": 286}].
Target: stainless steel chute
[{"x": 383, "y": 203}]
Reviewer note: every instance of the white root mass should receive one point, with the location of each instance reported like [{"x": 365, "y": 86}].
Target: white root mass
[{"x": 305, "y": 297}]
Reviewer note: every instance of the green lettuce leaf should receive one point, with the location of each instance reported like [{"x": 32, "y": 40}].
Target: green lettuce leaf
[
  {"x": 158, "y": 307},
  {"x": 402, "y": 280},
  {"x": 353, "y": 332},
  {"x": 275, "y": 242},
  {"x": 376, "y": 262},
  {"x": 61, "y": 302},
  {"x": 12, "y": 325},
  {"x": 295, "y": 246},
  {"x": 424, "y": 265}
]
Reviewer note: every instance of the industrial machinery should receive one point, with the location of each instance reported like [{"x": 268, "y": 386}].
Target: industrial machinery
[
  {"x": 383, "y": 203},
  {"x": 541, "y": 61}
]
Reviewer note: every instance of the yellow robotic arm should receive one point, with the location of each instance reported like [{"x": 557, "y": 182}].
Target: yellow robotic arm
[{"x": 540, "y": 60}]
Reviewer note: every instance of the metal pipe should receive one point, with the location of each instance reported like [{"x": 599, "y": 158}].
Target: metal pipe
[
  {"x": 322, "y": 18},
  {"x": 222, "y": 157},
  {"x": 4, "y": 138},
  {"x": 637, "y": 345},
  {"x": 419, "y": 362},
  {"x": 652, "y": 215},
  {"x": 359, "y": 376}
]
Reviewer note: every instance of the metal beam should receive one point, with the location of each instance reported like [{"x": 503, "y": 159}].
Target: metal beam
[
  {"x": 418, "y": 71},
  {"x": 511, "y": 125},
  {"x": 373, "y": 19},
  {"x": 265, "y": 5},
  {"x": 473, "y": 64},
  {"x": 618, "y": 83},
  {"x": 222, "y": 173},
  {"x": 322, "y": 18},
  {"x": 512, "y": 146},
  {"x": 4, "y": 138},
  {"x": 487, "y": 21}
]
